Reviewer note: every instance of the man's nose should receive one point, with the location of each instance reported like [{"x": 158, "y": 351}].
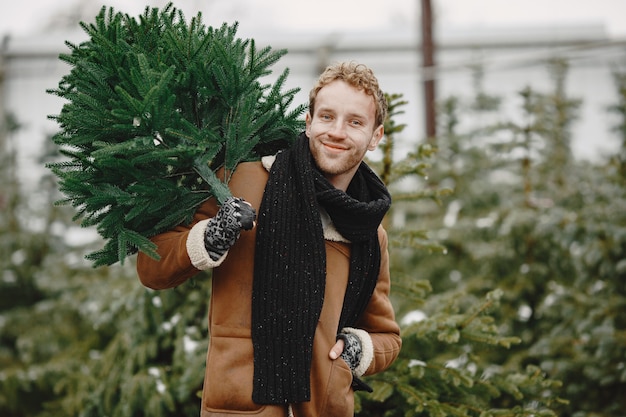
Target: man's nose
[{"x": 338, "y": 129}]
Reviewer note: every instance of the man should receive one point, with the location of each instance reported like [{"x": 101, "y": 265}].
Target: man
[{"x": 299, "y": 305}]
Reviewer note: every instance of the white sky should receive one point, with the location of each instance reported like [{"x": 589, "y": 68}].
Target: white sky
[{"x": 23, "y": 17}]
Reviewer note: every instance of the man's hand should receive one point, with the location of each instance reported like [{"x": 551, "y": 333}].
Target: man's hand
[
  {"x": 349, "y": 348},
  {"x": 223, "y": 230}
]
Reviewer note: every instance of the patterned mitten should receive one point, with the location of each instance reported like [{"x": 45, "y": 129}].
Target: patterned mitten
[
  {"x": 223, "y": 230},
  {"x": 352, "y": 350}
]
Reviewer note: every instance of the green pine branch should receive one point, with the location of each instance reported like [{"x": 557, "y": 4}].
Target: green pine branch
[{"x": 154, "y": 106}]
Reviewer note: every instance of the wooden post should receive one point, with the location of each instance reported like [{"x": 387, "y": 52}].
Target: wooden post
[{"x": 428, "y": 65}]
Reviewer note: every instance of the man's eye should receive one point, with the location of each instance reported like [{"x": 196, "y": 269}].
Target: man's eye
[{"x": 356, "y": 123}]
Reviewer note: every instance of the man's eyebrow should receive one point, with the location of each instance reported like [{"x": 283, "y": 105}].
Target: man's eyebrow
[
  {"x": 329, "y": 109},
  {"x": 324, "y": 108},
  {"x": 361, "y": 116}
]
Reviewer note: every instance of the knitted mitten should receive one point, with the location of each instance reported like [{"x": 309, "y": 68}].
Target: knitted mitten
[
  {"x": 352, "y": 350},
  {"x": 223, "y": 230}
]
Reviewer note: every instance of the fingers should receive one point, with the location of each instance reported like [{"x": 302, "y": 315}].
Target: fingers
[
  {"x": 336, "y": 350},
  {"x": 246, "y": 214}
]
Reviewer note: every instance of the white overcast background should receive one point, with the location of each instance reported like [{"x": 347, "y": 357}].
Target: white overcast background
[{"x": 24, "y": 17}]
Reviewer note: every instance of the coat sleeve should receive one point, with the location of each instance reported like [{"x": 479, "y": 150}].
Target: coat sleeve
[
  {"x": 175, "y": 265},
  {"x": 378, "y": 320},
  {"x": 182, "y": 249}
]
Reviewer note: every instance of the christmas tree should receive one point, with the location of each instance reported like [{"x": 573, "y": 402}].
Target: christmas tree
[{"x": 154, "y": 107}]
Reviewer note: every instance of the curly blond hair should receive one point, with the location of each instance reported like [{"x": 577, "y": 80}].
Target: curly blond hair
[{"x": 357, "y": 75}]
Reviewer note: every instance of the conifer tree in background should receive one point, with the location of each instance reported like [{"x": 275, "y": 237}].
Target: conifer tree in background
[
  {"x": 46, "y": 330},
  {"x": 546, "y": 241},
  {"x": 452, "y": 340},
  {"x": 156, "y": 105},
  {"x": 79, "y": 341}
]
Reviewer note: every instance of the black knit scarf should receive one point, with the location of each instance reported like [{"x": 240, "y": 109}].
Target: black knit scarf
[{"x": 290, "y": 266}]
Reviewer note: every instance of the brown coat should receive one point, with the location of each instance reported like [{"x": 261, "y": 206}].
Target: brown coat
[{"x": 228, "y": 379}]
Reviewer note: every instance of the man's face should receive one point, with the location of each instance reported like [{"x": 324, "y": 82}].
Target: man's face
[{"x": 341, "y": 131}]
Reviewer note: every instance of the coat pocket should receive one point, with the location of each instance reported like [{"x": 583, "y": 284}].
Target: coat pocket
[
  {"x": 229, "y": 374},
  {"x": 339, "y": 398}
]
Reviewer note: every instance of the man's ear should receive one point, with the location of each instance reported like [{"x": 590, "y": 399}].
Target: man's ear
[
  {"x": 377, "y": 136},
  {"x": 307, "y": 119}
]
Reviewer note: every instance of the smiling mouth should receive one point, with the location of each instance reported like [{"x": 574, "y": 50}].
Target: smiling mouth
[{"x": 334, "y": 147}]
